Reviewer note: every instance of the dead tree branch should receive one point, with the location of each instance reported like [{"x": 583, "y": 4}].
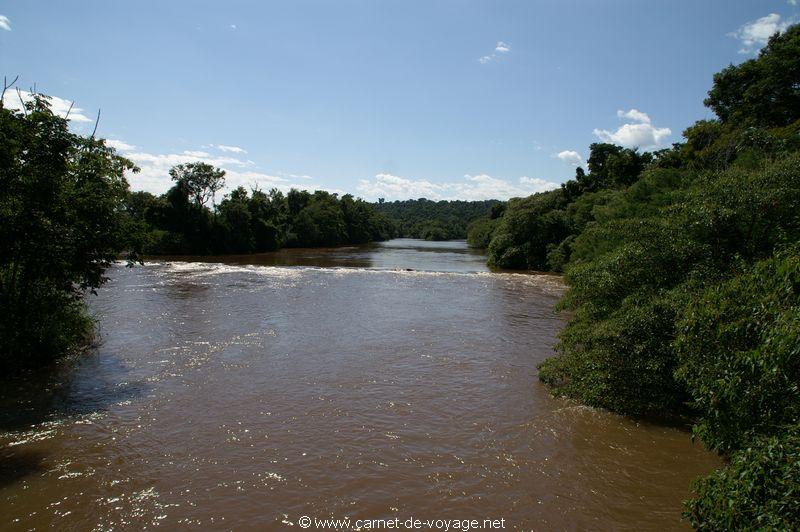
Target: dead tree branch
[{"x": 7, "y": 86}]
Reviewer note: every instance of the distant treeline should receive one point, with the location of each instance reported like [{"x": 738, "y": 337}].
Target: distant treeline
[
  {"x": 180, "y": 221},
  {"x": 683, "y": 268},
  {"x": 435, "y": 220},
  {"x": 185, "y": 220}
]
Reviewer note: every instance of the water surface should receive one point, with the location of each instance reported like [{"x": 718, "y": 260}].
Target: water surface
[{"x": 396, "y": 379}]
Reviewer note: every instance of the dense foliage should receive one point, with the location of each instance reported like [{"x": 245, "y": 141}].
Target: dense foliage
[
  {"x": 537, "y": 232},
  {"x": 61, "y": 196},
  {"x": 683, "y": 269},
  {"x": 180, "y": 222},
  {"x": 757, "y": 491},
  {"x": 435, "y": 220}
]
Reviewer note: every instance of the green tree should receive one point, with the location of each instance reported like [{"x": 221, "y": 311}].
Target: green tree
[
  {"x": 201, "y": 181},
  {"x": 61, "y": 226},
  {"x": 480, "y": 232},
  {"x": 764, "y": 91}
]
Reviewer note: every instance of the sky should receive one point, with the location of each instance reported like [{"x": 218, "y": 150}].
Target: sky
[{"x": 443, "y": 99}]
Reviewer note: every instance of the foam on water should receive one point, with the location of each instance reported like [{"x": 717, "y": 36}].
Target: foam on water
[{"x": 548, "y": 282}]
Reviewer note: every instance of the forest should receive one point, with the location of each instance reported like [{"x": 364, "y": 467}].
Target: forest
[
  {"x": 683, "y": 269},
  {"x": 186, "y": 220},
  {"x": 435, "y": 220},
  {"x": 181, "y": 221}
]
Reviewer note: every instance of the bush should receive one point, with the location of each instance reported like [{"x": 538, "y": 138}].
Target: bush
[
  {"x": 739, "y": 349},
  {"x": 759, "y": 490},
  {"x": 479, "y": 232},
  {"x": 527, "y": 227}
]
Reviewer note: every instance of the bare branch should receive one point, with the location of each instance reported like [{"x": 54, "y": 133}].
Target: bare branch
[
  {"x": 7, "y": 86},
  {"x": 21, "y": 101},
  {"x": 66, "y": 116},
  {"x": 96, "y": 122}
]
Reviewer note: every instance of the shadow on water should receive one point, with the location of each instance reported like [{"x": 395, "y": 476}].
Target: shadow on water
[
  {"x": 371, "y": 255},
  {"x": 18, "y": 464},
  {"x": 75, "y": 386}
]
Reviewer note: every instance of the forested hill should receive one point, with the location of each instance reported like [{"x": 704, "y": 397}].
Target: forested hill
[
  {"x": 435, "y": 220},
  {"x": 683, "y": 268}
]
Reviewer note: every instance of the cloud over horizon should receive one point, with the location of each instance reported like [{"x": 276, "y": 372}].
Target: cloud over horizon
[
  {"x": 637, "y": 132},
  {"x": 153, "y": 175},
  {"x": 477, "y": 187},
  {"x": 59, "y": 106}
]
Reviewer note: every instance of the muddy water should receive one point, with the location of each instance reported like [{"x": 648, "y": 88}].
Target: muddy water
[{"x": 330, "y": 383}]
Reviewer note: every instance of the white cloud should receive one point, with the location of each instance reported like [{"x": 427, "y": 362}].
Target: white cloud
[
  {"x": 792, "y": 2},
  {"x": 198, "y": 154},
  {"x": 59, "y": 106},
  {"x": 120, "y": 145},
  {"x": 755, "y": 34},
  {"x": 570, "y": 157},
  {"x": 230, "y": 149},
  {"x": 232, "y": 26},
  {"x": 638, "y": 133},
  {"x": 154, "y": 171},
  {"x": 635, "y": 115},
  {"x": 5, "y": 24},
  {"x": 477, "y": 187},
  {"x": 500, "y": 48}
]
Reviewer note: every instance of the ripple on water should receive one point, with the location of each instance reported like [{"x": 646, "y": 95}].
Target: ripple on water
[{"x": 247, "y": 395}]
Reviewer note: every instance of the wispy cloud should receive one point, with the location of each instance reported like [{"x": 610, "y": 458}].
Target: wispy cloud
[
  {"x": 639, "y": 132},
  {"x": 472, "y": 187},
  {"x": 570, "y": 157},
  {"x": 59, "y": 106},
  {"x": 501, "y": 48},
  {"x": 5, "y": 24},
  {"x": 755, "y": 34},
  {"x": 228, "y": 149},
  {"x": 120, "y": 145}
]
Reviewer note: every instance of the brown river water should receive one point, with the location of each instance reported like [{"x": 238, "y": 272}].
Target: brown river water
[{"x": 246, "y": 392}]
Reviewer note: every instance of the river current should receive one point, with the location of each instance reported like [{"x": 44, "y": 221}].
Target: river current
[{"x": 391, "y": 380}]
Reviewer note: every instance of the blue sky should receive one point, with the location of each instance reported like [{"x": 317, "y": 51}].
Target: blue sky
[{"x": 395, "y": 99}]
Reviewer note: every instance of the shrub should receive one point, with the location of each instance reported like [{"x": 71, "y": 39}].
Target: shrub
[{"x": 759, "y": 490}]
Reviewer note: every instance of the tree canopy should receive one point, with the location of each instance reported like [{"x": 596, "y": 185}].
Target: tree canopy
[{"x": 60, "y": 228}]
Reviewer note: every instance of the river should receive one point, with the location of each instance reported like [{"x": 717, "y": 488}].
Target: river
[{"x": 390, "y": 380}]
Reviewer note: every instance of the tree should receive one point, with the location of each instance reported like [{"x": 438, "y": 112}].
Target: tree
[
  {"x": 61, "y": 226},
  {"x": 764, "y": 91},
  {"x": 200, "y": 180}
]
